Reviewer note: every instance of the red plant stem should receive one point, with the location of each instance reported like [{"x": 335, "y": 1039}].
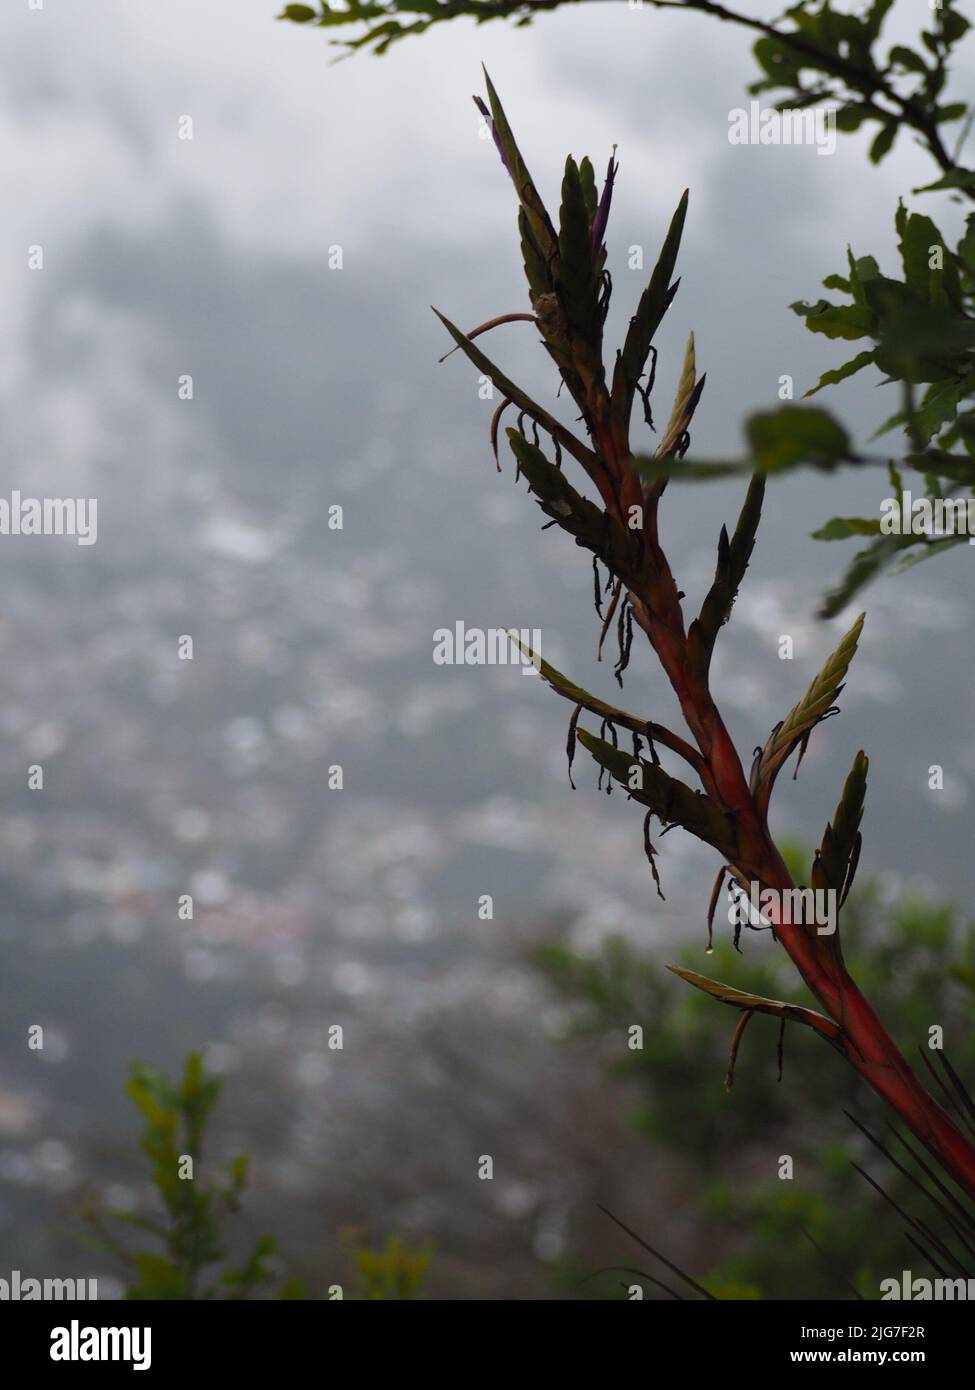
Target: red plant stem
[
  {"x": 864, "y": 1041},
  {"x": 660, "y": 616}
]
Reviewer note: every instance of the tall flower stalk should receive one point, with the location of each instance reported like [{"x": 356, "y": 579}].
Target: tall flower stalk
[{"x": 569, "y": 289}]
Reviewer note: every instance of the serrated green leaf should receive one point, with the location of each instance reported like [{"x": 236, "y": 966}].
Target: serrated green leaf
[
  {"x": 849, "y": 321},
  {"x": 863, "y": 269},
  {"x": 865, "y": 566},
  {"x": 917, "y": 340},
  {"x": 838, "y": 374},
  {"x": 840, "y": 528},
  {"x": 918, "y": 239}
]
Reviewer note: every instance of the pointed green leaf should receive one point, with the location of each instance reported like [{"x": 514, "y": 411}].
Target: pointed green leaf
[
  {"x": 669, "y": 798},
  {"x": 611, "y": 713},
  {"x": 538, "y": 219},
  {"x": 740, "y": 999},
  {"x": 590, "y": 194},
  {"x": 808, "y": 712},
  {"x": 865, "y": 566},
  {"x": 840, "y": 839},
  {"x": 685, "y": 402},
  {"x": 855, "y": 364},
  {"x": 840, "y": 528},
  {"x": 643, "y": 326},
  {"x": 507, "y": 388},
  {"x": 956, "y": 178},
  {"x": 576, "y": 282},
  {"x": 918, "y": 238},
  {"x": 733, "y": 558},
  {"x": 617, "y": 546},
  {"x": 883, "y": 142}
]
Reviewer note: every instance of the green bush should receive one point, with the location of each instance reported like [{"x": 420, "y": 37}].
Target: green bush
[{"x": 723, "y": 1148}]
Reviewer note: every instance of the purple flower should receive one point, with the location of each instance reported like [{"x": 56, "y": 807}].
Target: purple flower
[{"x": 497, "y": 139}]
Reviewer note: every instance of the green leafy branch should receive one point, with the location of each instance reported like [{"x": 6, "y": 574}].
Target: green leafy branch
[
  {"x": 188, "y": 1229},
  {"x": 818, "y": 54},
  {"x": 921, "y": 327}
]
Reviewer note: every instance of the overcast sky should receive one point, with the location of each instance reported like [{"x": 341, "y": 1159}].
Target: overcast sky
[{"x": 164, "y": 256}]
